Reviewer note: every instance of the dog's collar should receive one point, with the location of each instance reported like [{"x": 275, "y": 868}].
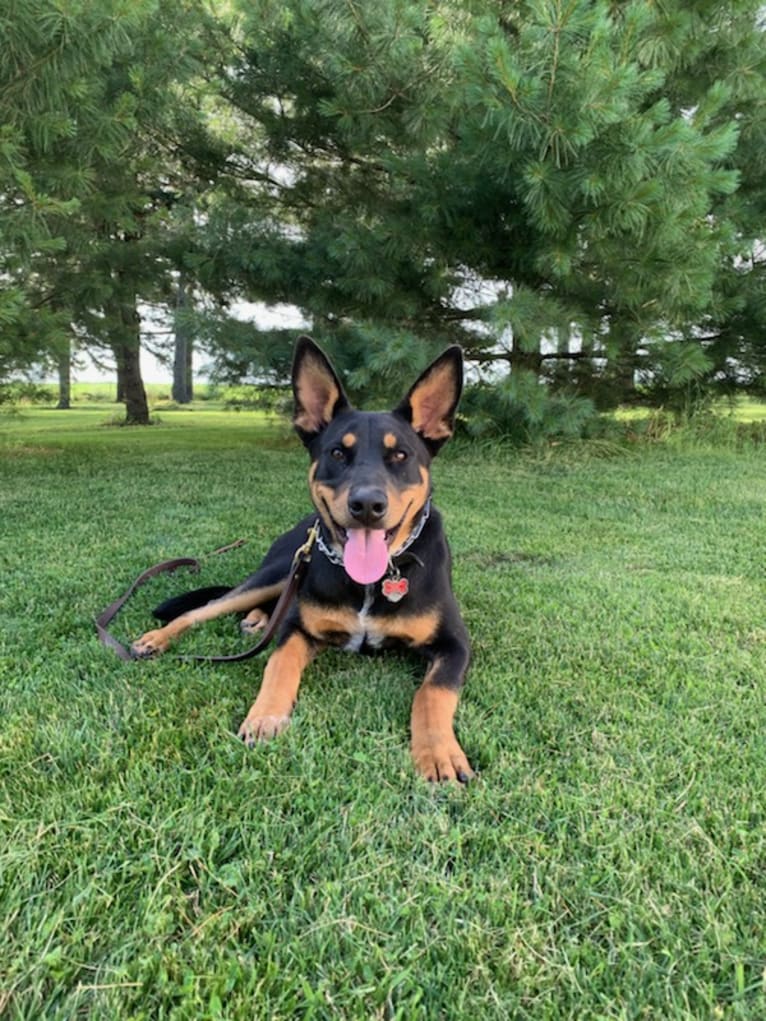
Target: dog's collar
[
  {"x": 336, "y": 557},
  {"x": 332, "y": 554}
]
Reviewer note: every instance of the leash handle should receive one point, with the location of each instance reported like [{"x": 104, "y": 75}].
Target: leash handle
[
  {"x": 107, "y": 616},
  {"x": 166, "y": 566},
  {"x": 300, "y": 562}
]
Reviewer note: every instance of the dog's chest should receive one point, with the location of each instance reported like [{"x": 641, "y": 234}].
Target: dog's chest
[
  {"x": 365, "y": 632},
  {"x": 370, "y": 625},
  {"x": 363, "y": 628}
]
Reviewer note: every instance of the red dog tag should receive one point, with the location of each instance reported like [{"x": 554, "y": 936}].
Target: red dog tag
[{"x": 395, "y": 589}]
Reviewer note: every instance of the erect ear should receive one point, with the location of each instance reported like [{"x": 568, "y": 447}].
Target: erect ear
[
  {"x": 431, "y": 404},
  {"x": 317, "y": 391}
]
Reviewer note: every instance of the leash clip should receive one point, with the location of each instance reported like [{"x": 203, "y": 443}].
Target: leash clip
[{"x": 303, "y": 553}]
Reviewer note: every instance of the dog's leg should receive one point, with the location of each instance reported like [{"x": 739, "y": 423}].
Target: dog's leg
[
  {"x": 237, "y": 601},
  {"x": 270, "y": 713},
  {"x": 435, "y": 749}
]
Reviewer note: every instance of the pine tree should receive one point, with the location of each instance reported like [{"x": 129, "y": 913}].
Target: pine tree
[
  {"x": 108, "y": 130},
  {"x": 537, "y": 181},
  {"x": 54, "y": 125},
  {"x": 569, "y": 188},
  {"x": 731, "y": 74}
]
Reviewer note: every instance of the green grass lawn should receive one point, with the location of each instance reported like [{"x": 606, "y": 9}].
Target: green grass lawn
[{"x": 608, "y": 864}]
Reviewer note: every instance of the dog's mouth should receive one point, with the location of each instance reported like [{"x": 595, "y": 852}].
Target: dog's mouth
[{"x": 366, "y": 551}]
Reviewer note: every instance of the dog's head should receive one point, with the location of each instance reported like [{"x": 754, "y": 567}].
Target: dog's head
[{"x": 370, "y": 471}]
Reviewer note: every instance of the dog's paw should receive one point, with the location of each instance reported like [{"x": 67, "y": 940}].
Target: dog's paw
[
  {"x": 255, "y": 621},
  {"x": 441, "y": 759},
  {"x": 153, "y": 643},
  {"x": 259, "y": 728}
]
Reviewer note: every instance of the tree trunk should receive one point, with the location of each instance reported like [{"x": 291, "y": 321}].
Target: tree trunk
[
  {"x": 136, "y": 405},
  {"x": 120, "y": 396},
  {"x": 624, "y": 369},
  {"x": 65, "y": 379},
  {"x": 183, "y": 387},
  {"x": 529, "y": 361},
  {"x": 625, "y": 339},
  {"x": 127, "y": 352}
]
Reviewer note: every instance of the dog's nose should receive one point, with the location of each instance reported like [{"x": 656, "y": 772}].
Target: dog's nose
[{"x": 367, "y": 505}]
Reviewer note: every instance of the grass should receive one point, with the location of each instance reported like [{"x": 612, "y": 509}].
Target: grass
[{"x": 609, "y": 862}]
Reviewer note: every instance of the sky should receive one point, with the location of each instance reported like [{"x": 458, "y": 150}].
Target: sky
[{"x": 154, "y": 371}]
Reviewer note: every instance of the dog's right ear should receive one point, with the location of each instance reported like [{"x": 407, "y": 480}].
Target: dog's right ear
[
  {"x": 317, "y": 391},
  {"x": 431, "y": 404}
]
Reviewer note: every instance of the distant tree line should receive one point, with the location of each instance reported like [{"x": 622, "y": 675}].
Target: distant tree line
[{"x": 572, "y": 190}]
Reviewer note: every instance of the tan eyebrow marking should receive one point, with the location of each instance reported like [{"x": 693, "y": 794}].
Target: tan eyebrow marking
[
  {"x": 348, "y": 440},
  {"x": 390, "y": 441}
]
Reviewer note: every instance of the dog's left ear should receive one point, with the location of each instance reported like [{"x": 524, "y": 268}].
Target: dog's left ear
[
  {"x": 317, "y": 391},
  {"x": 431, "y": 403}
]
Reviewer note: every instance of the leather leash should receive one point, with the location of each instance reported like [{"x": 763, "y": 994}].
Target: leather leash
[
  {"x": 301, "y": 560},
  {"x": 108, "y": 615}
]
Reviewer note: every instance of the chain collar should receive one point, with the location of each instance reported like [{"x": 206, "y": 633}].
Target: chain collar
[{"x": 332, "y": 555}]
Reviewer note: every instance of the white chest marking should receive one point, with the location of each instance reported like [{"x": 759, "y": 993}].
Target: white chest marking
[{"x": 363, "y": 634}]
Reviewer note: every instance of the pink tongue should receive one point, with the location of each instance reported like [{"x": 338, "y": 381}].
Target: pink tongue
[{"x": 365, "y": 555}]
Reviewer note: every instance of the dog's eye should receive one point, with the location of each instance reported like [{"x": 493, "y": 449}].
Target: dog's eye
[
  {"x": 399, "y": 456},
  {"x": 338, "y": 454}
]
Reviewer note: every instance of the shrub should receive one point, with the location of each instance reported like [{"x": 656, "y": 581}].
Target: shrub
[
  {"x": 522, "y": 410},
  {"x": 23, "y": 392}
]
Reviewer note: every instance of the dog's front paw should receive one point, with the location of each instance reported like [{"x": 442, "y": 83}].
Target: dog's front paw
[
  {"x": 440, "y": 758},
  {"x": 255, "y": 621},
  {"x": 257, "y": 727},
  {"x": 153, "y": 643}
]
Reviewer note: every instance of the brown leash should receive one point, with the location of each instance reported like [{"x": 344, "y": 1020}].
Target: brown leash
[
  {"x": 301, "y": 559},
  {"x": 107, "y": 616}
]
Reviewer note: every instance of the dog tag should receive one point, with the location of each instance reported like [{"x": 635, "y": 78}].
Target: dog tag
[{"x": 395, "y": 589}]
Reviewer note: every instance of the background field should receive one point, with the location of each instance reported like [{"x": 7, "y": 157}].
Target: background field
[{"x": 609, "y": 861}]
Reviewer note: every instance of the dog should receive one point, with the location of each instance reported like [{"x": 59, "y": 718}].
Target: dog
[{"x": 380, "y": 573}]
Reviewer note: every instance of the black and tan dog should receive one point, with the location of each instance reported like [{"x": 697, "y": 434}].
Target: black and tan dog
[{"x": 380, "y": 576}]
